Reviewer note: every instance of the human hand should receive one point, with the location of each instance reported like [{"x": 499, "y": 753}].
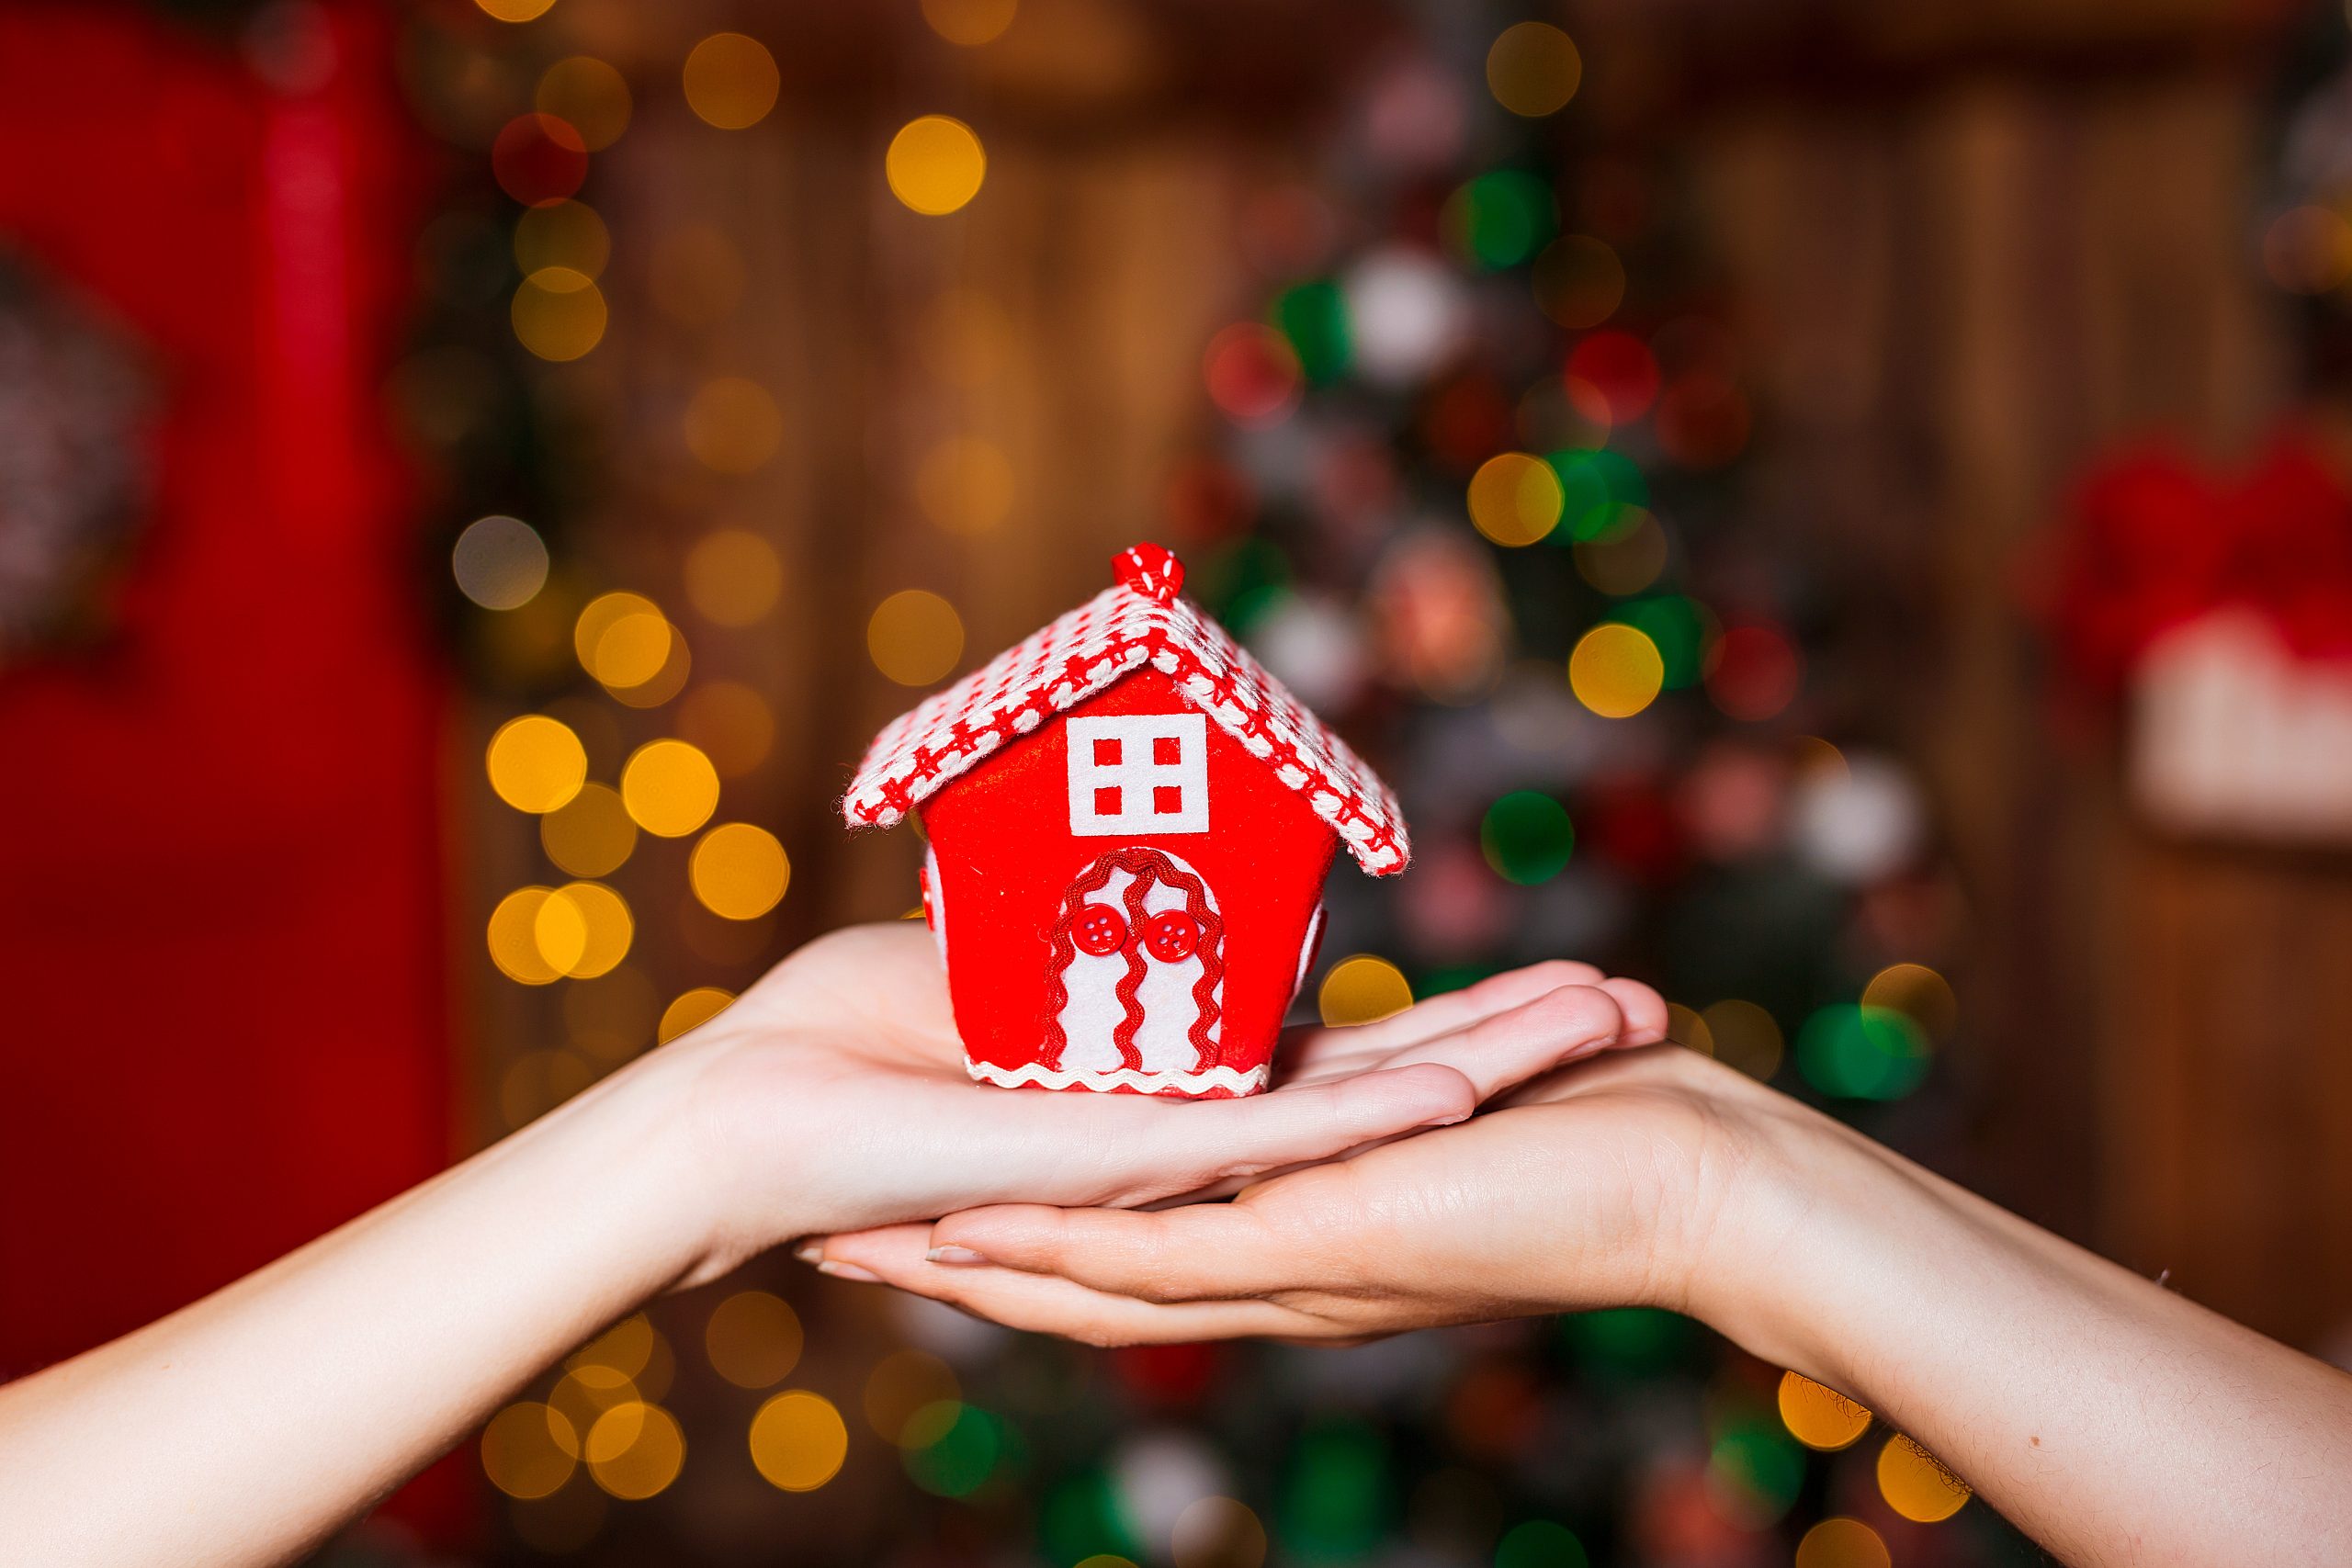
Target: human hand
[
  {"x": 833, "y": 1096},
  {"x": 1612, "y": 1182}
]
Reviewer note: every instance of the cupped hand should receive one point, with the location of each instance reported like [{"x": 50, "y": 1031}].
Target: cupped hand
[
  {"x": 832, "y": 1096},
  {"x": 1606, "y": 1184}
]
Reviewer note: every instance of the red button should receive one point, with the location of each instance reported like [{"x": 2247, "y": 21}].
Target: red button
[
  {"x": 1171, "y": 936},
  {"x": 1098, "y": 931}
]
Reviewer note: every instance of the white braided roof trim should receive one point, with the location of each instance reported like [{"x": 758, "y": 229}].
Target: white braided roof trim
[{"x": 1231, "y": 1079}]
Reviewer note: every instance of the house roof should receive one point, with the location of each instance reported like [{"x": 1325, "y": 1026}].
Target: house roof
[{"x": 1139, "y": 621}]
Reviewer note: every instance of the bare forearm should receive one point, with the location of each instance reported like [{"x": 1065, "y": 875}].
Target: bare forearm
[
  {"x": 248, "y": 1425},
  {"x": 2109, "y": 1418}
]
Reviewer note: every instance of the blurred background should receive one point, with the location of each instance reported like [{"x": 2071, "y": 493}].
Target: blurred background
[{"x": 1837, "y": 510}]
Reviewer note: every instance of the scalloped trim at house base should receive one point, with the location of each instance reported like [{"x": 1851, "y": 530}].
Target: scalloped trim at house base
[{"x": 1208, "y": 1082}]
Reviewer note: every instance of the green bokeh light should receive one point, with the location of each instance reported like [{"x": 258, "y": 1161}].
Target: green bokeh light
[
  {"x": 1678, "y": 625},
  {"x": 1500, "y": 218},
  {"x": 1336, "y": 1506},
  {"x": 1599, "y": 484},
  {"x": 1541, "y": 1543},
  {"x": 960, "y": 1462},
  {"x": 1527, "y": 837},
  {"x": 1759, "y": 1464},
  {"x": 1621, "y": 1343},
  {"x": 1314, "y": 317},
  {"x": 1862, "y": 1053}
]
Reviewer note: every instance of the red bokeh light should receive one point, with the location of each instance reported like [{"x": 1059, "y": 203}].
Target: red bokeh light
[
  {"x": 1753, "y": 671},
  {"x": 1251, "y": 373},
  {"x": 538, "y": 159}
]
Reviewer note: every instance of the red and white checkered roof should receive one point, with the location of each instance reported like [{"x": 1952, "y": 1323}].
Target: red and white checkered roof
[{"x": 1140, "y": 621}]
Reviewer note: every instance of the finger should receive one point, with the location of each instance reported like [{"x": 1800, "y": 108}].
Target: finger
[
  {"x": 1202, "y": 1252},
  {"x": 1644, "y": 1008},
  {"x": 1449, "y": 1011},
  {"x": 1142, "y": 1149},
  {"x": 1043, "y": 1304}
]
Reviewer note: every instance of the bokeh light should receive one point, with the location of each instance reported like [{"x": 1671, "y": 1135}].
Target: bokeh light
[
  {"x": 730, "y": 81},
  {"x": 1534, "y": 69},
  {"x": 1820, "y": 1418},
  {"x": 1362, "y": 989},
  {"x": 1578, "y": 281},
  {"x": 629, "y": 1347},
  {"x": 2308, "y": 250},
  {"x": 1745, "y": 1037},
  {"x": 1540, "y": 1543},
  {"x": 1626, "y": 556},
  {"x": 669, "y": 787},
  {"x": 753, "y": 1339},
  {"x": 1527, "y": 837},
  {"x": 1500, "y": 220},
  {"x": 636, "y": 653},
  {"x": 739, "y": 871},
  {"x": 499, "y": 562},
  {"x": 515, "y": 11},
  {"x": 960, "y": 1460},
  {"x": 1616, "y": 671},
  {"x": 1217, "y": 1532},
  {"x": 732, "y": 425},
  {"x": 635, "y": 1450},
  {"x": 1919, "y": 993},
  {"x": 582, "y": 930},
  {"x": 969, "y": 22},
  {"x": 731, "y": 723},
  {"x": 587, "y": 95},
  {"x": 798, "y": 1440},
  {"x": 1916, "y": 1483},
  {"x": 915, "y": 637},
  {"x": 536, "y": 762},
  {"x": 529, "y": 1450},
  {"x": 1515, "y": 499},
  {"x": 1862, "y": 1053},
  {"x": 964, "y": 485},
  {"x": 562, "y": 234},
  {"x": 733, "y": 577},
  {"x": 690, "y": 1012},
  {"x": 1840, "y": 1542},
  {"x": 590, "y": 834},
  {"x": 1753, "y": 672},
  {"x": 904, "y": 1385},
  {"x": 935, "y": 165},
  {"x": 1252, "y": 374},
  {"x": 513, "y": 938},
  {"x": 539, "y": 158},
  {"x": 558, "y": 313}
]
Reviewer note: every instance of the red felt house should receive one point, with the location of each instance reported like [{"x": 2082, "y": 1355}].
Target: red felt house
[{"x": 1130, "y": 824}]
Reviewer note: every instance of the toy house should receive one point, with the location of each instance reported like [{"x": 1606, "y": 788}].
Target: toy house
[{"x": 1130, "y": 822}]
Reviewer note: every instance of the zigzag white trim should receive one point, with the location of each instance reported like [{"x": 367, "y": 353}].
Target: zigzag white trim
[{"x": 1233, "y": 1080}]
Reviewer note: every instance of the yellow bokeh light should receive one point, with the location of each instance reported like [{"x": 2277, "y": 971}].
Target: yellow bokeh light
[
  {"x": 562, "y": 234},
  {"x": 969, "y": 22},
  {"x": 529, "y": 1450},
  {"x": 904, "y": 1385},
  {"x": 798, "y": 1440},
  {"x": 1916, "y": 1485},
  {"x": 732, "y": 425},
  {"x": 1362, "y": 989},
  {"x": 515, "y": 941},
  {"x": 731, "y": 723},
  {"x": 1515, "y": 500},
  {"x": 1820, "y": 1418},
  {"x": 590, "y": 834},
  {"x": 625, "y": 1347},
  {"x": 733, "y": 576},
  {"x": 537, "y": 762},
  {"x": 600, "y": 616},
  {"x": 669, "y": 788},
  {"x": 1616, "y": 671},
  {"x": 1843, "y": 1543},
  {"x": 915, "y": 637},
  {"x": 582, "y": 930},
  {"x": 1919, "y": 993},
  {"x": 515, "y": 11},
  {"x": 690, "y": 1012},
  {"x": 1626, "y": 558},
  {"x": 739, "y": 871},
  {"x": 586, "y": 1391},
  {"x": 587, "y": 95},
  {"x": 964, "y": 485},
  {"x": 1534, "y": 69},
  {"x": 1744, "y": 1036},
  {"x": 635, "y": 1450},
  {"x": 666, "y": 682},
  {"x": 753, "y": 1339},
  {"x": 935, "y": 165},
  {"x": 558, "y": 313},
  {"x": 1685, "y": 1027},
  {"x": 1217, "y": 1532},
  {"x": 730, "y": 81},
  {"x": 632, "y": 650}
]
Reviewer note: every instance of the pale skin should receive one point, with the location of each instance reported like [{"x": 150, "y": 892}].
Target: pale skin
[
  {"x": 2109, "y": 1418},
  {"x": 245, "y": 1428}
]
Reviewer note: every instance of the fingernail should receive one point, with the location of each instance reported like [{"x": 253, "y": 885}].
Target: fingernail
[
  {"x": 849, "y": 1271},
  {"x": 809, "y": 1252},
  {"x": 1448, "y": 1120},
  {"x": 963, "y": 1257}
]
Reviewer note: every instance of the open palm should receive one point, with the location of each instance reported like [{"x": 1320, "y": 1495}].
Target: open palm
[{"x": 834, "y": 1095}]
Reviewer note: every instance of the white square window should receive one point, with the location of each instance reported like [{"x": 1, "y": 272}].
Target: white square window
[{"x": 1138, "y": 773}]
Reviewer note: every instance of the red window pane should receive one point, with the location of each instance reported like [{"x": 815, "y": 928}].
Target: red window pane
[
  {"x": 1106, "y": 799},
  {"x": 1167, "y": 800},
  {"x": 1167, "y": 751},
  {"x": 1107, "y": 751}
]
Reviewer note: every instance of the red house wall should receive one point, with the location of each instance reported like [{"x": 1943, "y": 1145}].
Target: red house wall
[{"x": 1006, "y": 855}]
